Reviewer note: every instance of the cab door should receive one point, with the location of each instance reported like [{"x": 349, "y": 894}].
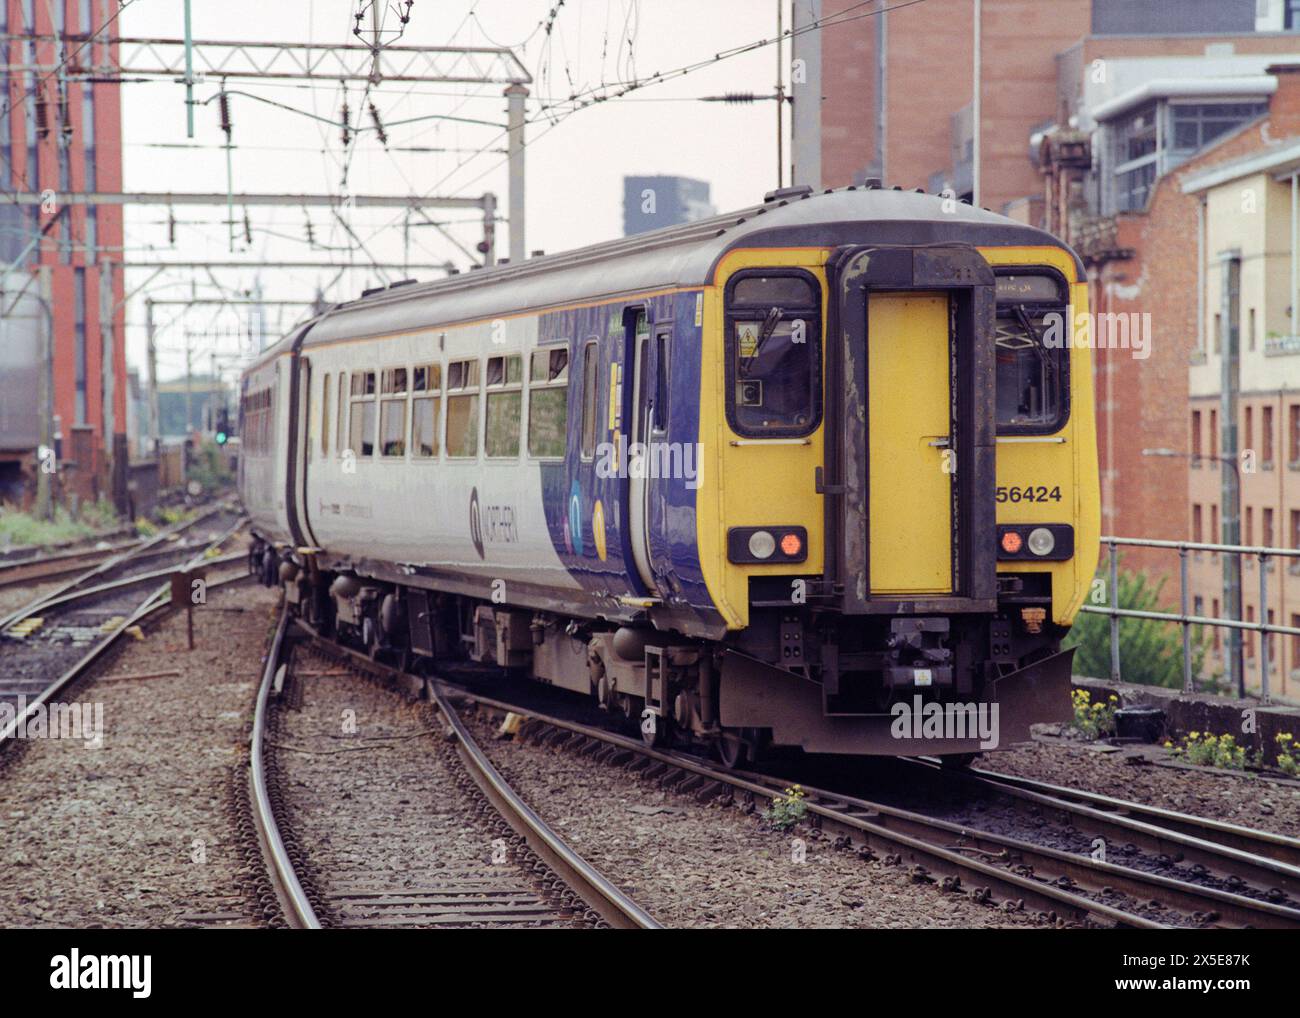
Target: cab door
[
  {"x": 910, "y": 443},
  {"x": 643, "y": 389}
]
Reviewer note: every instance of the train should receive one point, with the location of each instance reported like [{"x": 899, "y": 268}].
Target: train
[{"x": 821, "y": 473}]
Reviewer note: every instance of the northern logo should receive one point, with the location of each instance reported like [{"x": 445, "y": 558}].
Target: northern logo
[{"x": 475, "y": 523}]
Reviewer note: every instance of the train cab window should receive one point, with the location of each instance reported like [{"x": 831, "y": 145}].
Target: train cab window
[
  {"x": 773, "y": 343},
  {"x": 462, "y": 409},
  {"x": 1031, "y": 335},
  {"x": 392, "y": 413},
  {"x": 662, "y": 342},
  {"x": 342, "y": 408},
  {"x": 590, "y": 397},
  {"x": 361, "y": 414},
  {"x": 548, "y": 402},
  {"x": 426, "y": 400},
  {"x": 505, "y": 402}
]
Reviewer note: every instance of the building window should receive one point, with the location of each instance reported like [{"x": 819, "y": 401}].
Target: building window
[
  {"x": 1196, "y": 438},
  {"x": 1136, "y": 158},
  {"x": 1250, "y": 525},
  {"x": 1197, "y": 535},
  {"x": 1218, "y": 332},
  {"x": 1248, "y": 429},
  {"x": 392, "y": 413},
  {"x": 1266, "y": 438},
  {"x": 361, "y": 438},
  {"x": 1196, "y": 125},
  {"x": 1294, "y": 453},
  {"x": 426, "y": 401},
  {"x": 1215, "y": 536},
  {"x": 1292, "y": 13},
  {"x": 1250, "y": 328},
  {"x": 548, "y": 402},
  {"x": 1214, "y": 437},
  {"x": 505, "y": 403},
  {"x": 1217, "y": 633},
  {"x": 1267, "y": 536},
  {"x": 1250, "y": 636}
]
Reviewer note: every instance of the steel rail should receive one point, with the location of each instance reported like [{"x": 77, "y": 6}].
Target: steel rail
[
  {"x": 154, "y": 603},
  {"x": 294, "y": 902},
  {"x": 951, "y": 861},
  {"x": 111, "y": 563},
  {"x": 586, "y": 880},
  {"x": 929, "y": 837},
  {"x": 1267, "y": 844}
]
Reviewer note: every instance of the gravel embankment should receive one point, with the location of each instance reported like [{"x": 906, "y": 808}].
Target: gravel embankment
[
  {"x": 141, "y": 832},
  {"x": 704, "y": 865},
  {"x": 1234, "y": 796}
]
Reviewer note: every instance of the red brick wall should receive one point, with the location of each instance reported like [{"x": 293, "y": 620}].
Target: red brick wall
[
  {"x": 108, "y": 159},
  {"x": 849, "y": 95}
]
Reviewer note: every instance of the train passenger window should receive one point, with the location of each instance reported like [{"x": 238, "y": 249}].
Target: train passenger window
[
  {"x": 462, "y": 409},
  {"x": 590, "y": 398},
  {"x": 325, "y": 415},
  {"x": 773, "y": 338},
  {"x": 548, "y": 402},
  {"x": 1031, "y": 365},
  {"x": 342, "y": 408},
  {"x": 361, "y": 414},
  {"x": 392, "y": 413},
  {"x": 426, "y": 387},
  {"x": 505, "y": 401}
]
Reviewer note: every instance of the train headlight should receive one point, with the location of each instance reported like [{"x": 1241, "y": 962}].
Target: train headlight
[
  {"x": 762, "y": 544},
  {"x": 1041, "y": 541}
]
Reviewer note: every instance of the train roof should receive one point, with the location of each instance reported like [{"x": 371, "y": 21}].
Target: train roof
[{"x": 675, "y": 257}]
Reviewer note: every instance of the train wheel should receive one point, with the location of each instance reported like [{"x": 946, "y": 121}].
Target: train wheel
[
  {"x": 734, "y": 748},
  {"x": 654, "y": 729}
]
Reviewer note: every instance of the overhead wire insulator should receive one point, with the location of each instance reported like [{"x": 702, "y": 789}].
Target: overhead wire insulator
[
  {"x": 65, "y": 118},
  {"x": 347, "y": 125},
  {"x": 311, "y": 234},
  {"x": 248, "y": 229},
  {"x": 380, "y": 133},
  {"x": 171, "y": 227},
  {"x": 223, "y": 103},
  {"x": 42, "y": 113}
]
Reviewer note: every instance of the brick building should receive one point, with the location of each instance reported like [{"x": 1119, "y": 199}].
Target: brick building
[
  {"x": 60, "y": 133},
  {"x": 1084, "y": 106}
]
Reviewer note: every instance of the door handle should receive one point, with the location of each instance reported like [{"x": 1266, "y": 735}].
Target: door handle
[{"x": 941, "y": 443}]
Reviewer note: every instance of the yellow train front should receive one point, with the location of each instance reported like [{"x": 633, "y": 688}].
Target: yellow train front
[
  {"x": 899, "y": 550},
  {"x": 821, "y": 473}
]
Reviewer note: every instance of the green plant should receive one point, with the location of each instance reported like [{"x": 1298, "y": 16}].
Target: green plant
[
  {"x": 1150, "y": 651},
  {"x": 20, "y": 529},
  {"x": 787, "y": 809},
  {"x": 1094, "y": 719},
  {"x": 1209, "y": 751},
  {"x": 1288, "y": 755}
]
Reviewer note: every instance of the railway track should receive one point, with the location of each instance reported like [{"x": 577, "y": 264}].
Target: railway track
[
  {"x": 45, "y": 568},
  {"x": 48, "y": 643},
  {"x": 1179, "y": 872},
  {"x": 533, "y": 878}
]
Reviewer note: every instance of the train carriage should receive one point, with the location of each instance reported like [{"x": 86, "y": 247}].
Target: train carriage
[{"x": 780, "y": 476}]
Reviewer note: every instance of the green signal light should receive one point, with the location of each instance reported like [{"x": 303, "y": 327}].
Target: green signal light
[{"x": 221, "y": 438}]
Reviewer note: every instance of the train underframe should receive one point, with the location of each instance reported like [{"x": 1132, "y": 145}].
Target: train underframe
[{"x": 953, "y": 685}]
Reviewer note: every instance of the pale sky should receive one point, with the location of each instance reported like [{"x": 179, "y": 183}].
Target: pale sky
[{"x": 574, "y": 169}]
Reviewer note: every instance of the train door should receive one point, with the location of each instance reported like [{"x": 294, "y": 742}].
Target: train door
[
  {"x": 909, "y": 425},
  {"x": 638, "y": 484},
  {"x": 303, "y": 432}
]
